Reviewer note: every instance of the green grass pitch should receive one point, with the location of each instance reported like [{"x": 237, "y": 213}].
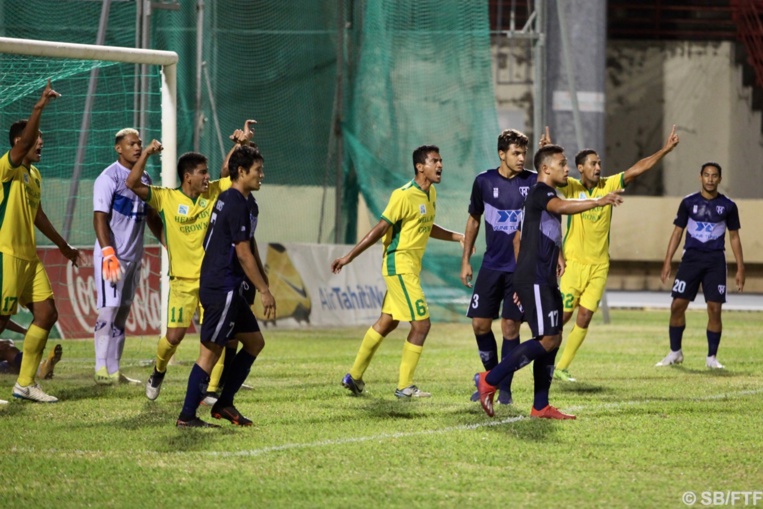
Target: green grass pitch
[{"x": 644, "y": 435}]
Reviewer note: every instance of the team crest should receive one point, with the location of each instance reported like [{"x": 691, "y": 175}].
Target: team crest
[
  {"x": 422, "y": 209},
  {"x": 183, "y": 210},
  {"x": 495, "y": 192},
  {"x": 721, "y": 289},
  {"x": 202, "y": 203},
  {"x": 523, "y": 190},
  {"x": 719, "y": 209}
]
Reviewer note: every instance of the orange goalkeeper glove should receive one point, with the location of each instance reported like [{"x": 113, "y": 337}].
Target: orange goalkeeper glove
[{"x": 111, "y": 270}]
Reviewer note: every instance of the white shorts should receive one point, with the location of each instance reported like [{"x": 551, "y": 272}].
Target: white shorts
[{"x": 121, "y": 293}]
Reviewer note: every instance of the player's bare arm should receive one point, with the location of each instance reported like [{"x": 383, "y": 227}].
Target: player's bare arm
[
  {"x": 569, "y": 207},
  {"x": 736, "y": 248},
  {"x": 155, "y": 224},
  {"x": 371, "y": 238},
  {"x": 675, "y": 240},
  {"x": 32, "y": 129},
  {"x": 648, "y": 163},
  {"x": 258, "y": 261},
  {"x": 249, "y": 264},
  {"x": 134, "y": 182},
  {"x": 240, "y": 137},
  {"x": 470, "y": 236},
  {"x": 43, "y": 224},
  {"x": 440, "y": 233}
]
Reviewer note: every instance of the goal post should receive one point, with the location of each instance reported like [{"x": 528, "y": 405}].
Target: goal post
[{"x": 63, "y": 54}]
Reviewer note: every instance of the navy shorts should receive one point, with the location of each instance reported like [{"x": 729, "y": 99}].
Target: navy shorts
[
  {"x": 225, "y": 315},
  {"x": 543, "y": 309},
  {"x": 492, "y": 287},
  {"x": 708, "y": 268}
]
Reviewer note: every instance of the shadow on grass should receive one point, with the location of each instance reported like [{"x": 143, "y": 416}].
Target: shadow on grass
[{"x": 580, "y": 388}]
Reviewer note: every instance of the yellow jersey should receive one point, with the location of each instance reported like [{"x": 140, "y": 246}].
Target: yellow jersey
[
  {"x": 185, "y": 224},
  {"x": 587, "y": 237},
  {"x": 19, "y": 201},
  {"x": 410, "y": 213}
]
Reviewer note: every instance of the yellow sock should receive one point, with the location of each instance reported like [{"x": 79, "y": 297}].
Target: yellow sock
[
  {"x": 164, "y": 353},
  {"x": 411, "y": 356},
  {"x": 34, "y": 344},
  {"x": 575, "y": 339},
  {"x": 217, "y": 372},
  {"x": 371, "y": 342}
]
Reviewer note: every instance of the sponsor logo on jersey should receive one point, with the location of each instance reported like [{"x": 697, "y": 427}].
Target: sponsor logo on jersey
[
  {"x": 495, "y": 192},
  {"x": 422, "y": 209},
  {"x": 183, "y": 210}
]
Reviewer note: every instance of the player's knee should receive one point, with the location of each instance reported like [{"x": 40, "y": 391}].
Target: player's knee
[
  {"x": 509, "y": 328},
  {"x": 481, "y": 325},
  {"x": 584, "y": 317},
  {"x": 421, "y": 327}
]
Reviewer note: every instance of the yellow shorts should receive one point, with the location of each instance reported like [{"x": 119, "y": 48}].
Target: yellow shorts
[
  {"x": 23, "y": 281},
  {"x": 183, "y": 302},
  {"x": 583, "y": 284},
  {"x": 405, "y": 299}
]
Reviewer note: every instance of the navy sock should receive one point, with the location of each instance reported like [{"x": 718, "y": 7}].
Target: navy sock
[
  {"x": 239, "y": 370},
  {"x": 198, "y": 381},
  {"x": 519, "y": 357},
  {"x": 230, "y": 354},
  {"x": 713, "y": 340},
  {"x": 506, "y": 348},
  {"x": 17, "y": 359},
  {"x": 488, "y": 350},
  {"x": 543, "y": 373},
  {"x": 676, "y": 334}
]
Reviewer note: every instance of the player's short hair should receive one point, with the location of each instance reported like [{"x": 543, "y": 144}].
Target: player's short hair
[
  {"x": 188, "y": 162},
  {"x": 421, "y": 153},
  {"x": 580, "y": 156},
  {"x": 16, "y": 129},
  {"x": 243, "y": 157},
  {"x": 544, "y": 153},
  {"x": 714, "y": 164},
  {"x": 509, "y": 137},
  {"x": 124, "y": 132}
]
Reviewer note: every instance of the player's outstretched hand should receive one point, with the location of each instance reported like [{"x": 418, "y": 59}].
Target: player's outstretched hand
[
  {"x": 336, "y": 265},
  {"x": 612, "y": 198},
  {"x": 47, "y": 95},
  {"x": 672, "y": 140},
  {"x": 545, "y": 138}
]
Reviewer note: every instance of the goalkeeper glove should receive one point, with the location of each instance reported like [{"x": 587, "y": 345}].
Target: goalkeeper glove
[{"x": 111, "y": 271}]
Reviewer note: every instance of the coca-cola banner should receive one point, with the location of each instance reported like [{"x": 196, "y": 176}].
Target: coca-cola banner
[{"x": 75, "y": 294}]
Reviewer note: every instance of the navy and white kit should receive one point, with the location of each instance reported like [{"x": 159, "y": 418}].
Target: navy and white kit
[
  {"x": 535, "y": 276},
  {"x": 226, "y": 310},
  {"x": 500, "y": 201},
  {"x": 127, "y": 221},
  {"x": 704, "y": 257}
]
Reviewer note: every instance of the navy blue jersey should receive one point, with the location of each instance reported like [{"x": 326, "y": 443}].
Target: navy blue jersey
[
  {"x": 500, "y": 200},
  {"x": 706, "y": 221},
  {"x": 541, "y": 240},
  {"x": 234, "y": 219}
]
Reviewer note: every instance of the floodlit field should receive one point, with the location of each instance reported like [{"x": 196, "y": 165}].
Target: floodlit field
[{"x": 644, "y": 435}]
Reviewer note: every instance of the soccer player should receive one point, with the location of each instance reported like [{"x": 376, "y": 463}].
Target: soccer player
[
  {"x": 706, "y": 216},
  {"x": 406, "y": 225},
  {"x": 499, "y": 194},
  {"x": 24, "y": 280},
  {"x": 185, "y": 213},
  {"x": 535, "y": 281},
  {"x": 586, "y": 242},
  {"x": 230, "y": 257},
  {"x": 119, "y": 219}
]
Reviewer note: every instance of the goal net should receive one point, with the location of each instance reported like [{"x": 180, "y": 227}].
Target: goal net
[{"x": 103, "y": 89}]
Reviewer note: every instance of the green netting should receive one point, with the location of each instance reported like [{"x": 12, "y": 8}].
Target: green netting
[{"x": 415, "y": 72}]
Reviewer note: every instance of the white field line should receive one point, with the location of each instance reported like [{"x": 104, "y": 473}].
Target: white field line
[{"x": 380, "y": 437}]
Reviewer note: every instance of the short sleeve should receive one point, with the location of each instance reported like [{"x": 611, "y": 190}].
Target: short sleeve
[
  {"x": 395, "y": 210},
  {"x": 476, "y": 203},
  {"x": 615, "y": 182},
  {"x": 103, "y": 193},
  {"x": 156, "y": 197},
  {"x": 238, "y": 221},
  {"x": 682, "y": 217},
  {"x": 732, "y": 219}
]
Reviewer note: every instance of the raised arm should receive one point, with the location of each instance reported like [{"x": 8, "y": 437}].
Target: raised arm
[
  {"x": 134, "y": 183},
  {"x": 43, "y": 224},
  {"x": 470, "y": 236},
  {"x": 371, "y": 238},
  {"x": 736, "y": 247},
  {"x": 32, "y": 129},
  {"x": 240, "y": 137},
  {"x": 256, "y": 276},
  {"x": 648, "y": 163},
  {"x": 675, "y": 239},
  {"x": 568, "y": 207}
]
